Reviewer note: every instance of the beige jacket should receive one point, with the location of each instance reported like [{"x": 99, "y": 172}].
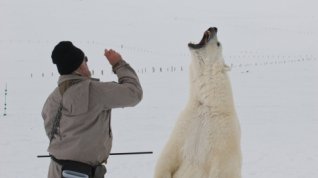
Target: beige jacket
[{"x": 85, "y": 133}]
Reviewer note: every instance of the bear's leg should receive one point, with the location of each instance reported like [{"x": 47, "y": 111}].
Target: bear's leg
[
  {"x": 168, "y": 161},
  {"x": 171, "y": 156},
  {"x": 222, "y": 167}
]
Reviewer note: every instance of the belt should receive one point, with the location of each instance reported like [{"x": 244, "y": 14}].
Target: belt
[{"x": 75, "y": 166}]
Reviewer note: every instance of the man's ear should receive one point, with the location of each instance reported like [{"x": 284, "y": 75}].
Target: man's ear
[{"x": 82, "y": 67}]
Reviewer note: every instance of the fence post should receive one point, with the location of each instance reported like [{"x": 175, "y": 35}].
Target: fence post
[{"x": 5, "y": 101}]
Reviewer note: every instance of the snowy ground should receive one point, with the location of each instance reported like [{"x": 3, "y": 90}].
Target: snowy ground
[{"x": 271, "y": 46}]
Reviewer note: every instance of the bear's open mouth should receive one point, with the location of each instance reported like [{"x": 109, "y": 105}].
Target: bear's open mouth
[{"x": 207, "y": 36}]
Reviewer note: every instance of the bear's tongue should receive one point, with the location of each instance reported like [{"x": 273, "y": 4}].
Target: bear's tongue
[{"x": 205, "y": 39}]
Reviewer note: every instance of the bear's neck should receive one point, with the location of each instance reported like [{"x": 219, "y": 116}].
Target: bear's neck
[{"x": 212, "y": 89}]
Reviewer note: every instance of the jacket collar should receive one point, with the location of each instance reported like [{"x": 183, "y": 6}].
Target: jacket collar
[{"x": 64, "y": 78}]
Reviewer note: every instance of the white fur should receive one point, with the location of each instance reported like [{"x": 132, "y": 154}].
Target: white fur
[{"x": 205, "y": 142}]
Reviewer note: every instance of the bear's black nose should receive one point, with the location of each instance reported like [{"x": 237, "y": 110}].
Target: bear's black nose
[{"x": 213, "y": 29}]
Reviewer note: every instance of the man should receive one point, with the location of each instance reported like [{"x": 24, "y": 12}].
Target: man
[{"x": 77, "y": 114}]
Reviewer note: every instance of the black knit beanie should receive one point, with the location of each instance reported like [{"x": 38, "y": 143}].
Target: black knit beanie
[{"x": 67, "y": 57}]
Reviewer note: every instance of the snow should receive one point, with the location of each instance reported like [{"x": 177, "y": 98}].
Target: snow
[{"x": 271, "y": 46}]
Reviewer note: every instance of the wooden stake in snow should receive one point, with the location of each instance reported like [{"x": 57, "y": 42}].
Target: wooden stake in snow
[{"x": 5, "y": 101}]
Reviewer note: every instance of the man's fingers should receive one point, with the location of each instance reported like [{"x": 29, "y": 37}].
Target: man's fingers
[
  {"x": 105, "y": 52},
  {"x": 109, "y": 52}
]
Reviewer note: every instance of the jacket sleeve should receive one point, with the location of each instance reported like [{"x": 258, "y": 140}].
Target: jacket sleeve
[
  {"x": 49, "y": 111},
  {"x": 127, "y": 92},
  {"x": 47, "y": 122}
]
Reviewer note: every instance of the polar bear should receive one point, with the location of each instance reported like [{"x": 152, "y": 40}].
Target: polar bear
[{"x": 205, "y": 142}]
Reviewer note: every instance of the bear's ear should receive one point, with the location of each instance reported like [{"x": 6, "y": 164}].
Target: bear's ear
[{"x": 226, "y": 68}]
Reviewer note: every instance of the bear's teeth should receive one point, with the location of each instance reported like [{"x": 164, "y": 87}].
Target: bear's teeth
[{"x": 209, "y": 35}]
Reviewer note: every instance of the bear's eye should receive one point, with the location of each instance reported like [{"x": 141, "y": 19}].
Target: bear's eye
[{"x": 218, "y": 43}]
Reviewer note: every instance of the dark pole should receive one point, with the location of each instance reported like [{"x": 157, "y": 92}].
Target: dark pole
[
  {"x": 132, "y": 153},
  {"x": 125, "y": 153}
]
